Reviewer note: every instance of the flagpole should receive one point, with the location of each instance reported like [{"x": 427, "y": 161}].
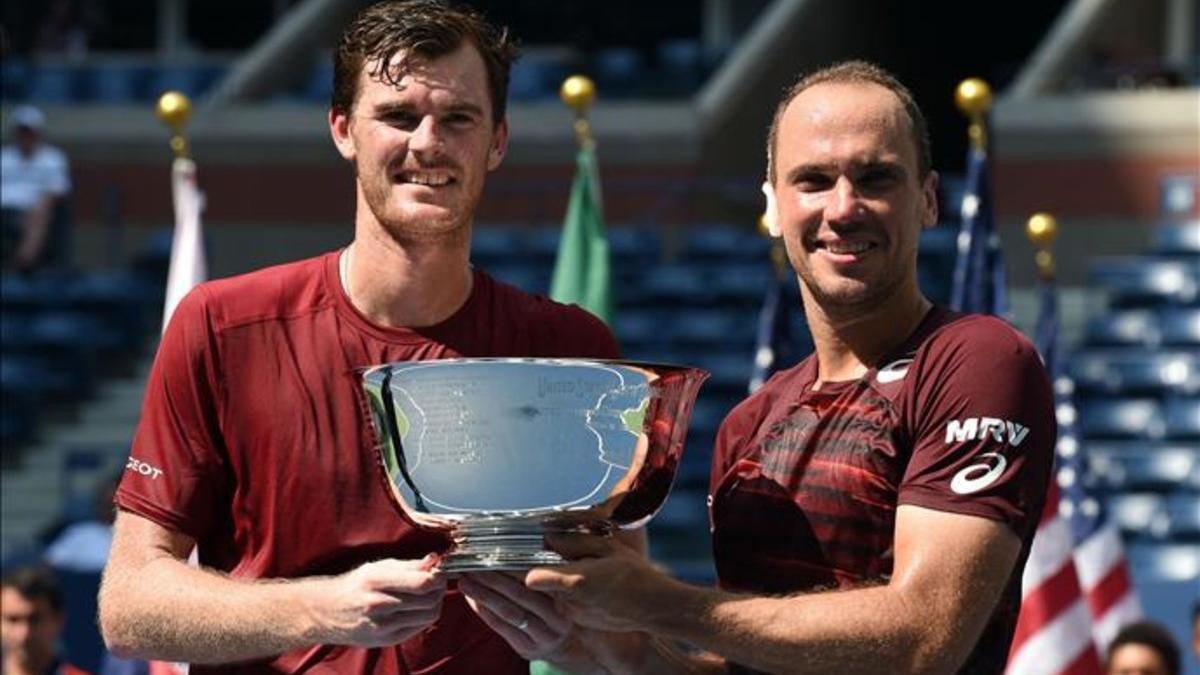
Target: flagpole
[
  {"x": 582, "y": 273},
  {"x": 973, "y": 97},
  {"x": 1042, "y": 230},
  {"x": 188, "y": 266},
  {"x": 979, "y": 279},
  {"x": 579, "y": 92}
]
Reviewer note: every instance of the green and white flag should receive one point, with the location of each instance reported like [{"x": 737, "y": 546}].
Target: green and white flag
[{"x": 581, "y": 272}]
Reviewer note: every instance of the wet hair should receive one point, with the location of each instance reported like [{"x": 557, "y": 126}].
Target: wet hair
[
  {"x": 857, "y": 72},
  {"x": 427, "y": 29},
  {"x": 1152, "y": 635},
  {"x": 35, "y": 582}
]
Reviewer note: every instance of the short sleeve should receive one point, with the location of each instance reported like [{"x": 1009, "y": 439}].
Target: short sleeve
[
  {"x": 982, "y": 418},
  {"x": 56, "y": 178},
  {"x": 175, "y": 472}
]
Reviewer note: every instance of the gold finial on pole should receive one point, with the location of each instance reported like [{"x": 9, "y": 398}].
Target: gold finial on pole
[
  {"x": 778, "y": 250},
  {"x": 579, "y": 92},
  {"x": 974, "y": 98},
  {"x": 173, "y": 110},
  {"x": 1042, "y": 230}
]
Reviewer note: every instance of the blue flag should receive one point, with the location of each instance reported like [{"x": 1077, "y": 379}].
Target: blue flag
[
  {"x": 979, "y": 280},
  {"x": 773, "y": 344}
]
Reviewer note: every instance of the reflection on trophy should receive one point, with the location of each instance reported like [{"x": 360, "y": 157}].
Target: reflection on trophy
[{"x": 498, "y": 452}]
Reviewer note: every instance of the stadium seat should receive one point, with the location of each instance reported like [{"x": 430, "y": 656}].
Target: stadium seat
[
  {"x": 1117, "y": 419},
  {"x": 1164, "y": 561},
  {"x": 1134, "y": 372},
  {"x": 1183, "y": 517},
  {"x": 670, "y": 283},
  {"x": 724, "y": 243},
  {"x": 1124, "y": 328},
  {"x": 1133, "y": 281},
  {"x": 1181, "y": 327},
  {"x": 14, "y": 78},
  {"x": 53, "y": 84},
  {"x": 1137, "y": 513},
  {"x": 618, "y": 70},
  {"x": 1183, "y": 418},
  {"x": 38, "y": 380},
  {"x": 631, "y": 245},
  {"x": 636, "y": 329},
  {"x": 1177, "y": 239},
  {"x": 1157, "y": 467},
  {"x": 119, "y": 82},
  {"x": 680, "y": 66},
  {"x": 742, "y": 284}
]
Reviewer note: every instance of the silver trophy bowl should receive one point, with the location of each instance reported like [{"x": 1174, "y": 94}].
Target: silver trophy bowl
[{"x": 498, "y": 452}]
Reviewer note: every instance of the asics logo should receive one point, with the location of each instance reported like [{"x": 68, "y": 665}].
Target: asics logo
[
  {"x": 981, "y": 428},
  {"x": 893, "y": 372},
  {"x": 978, "y": 476}
]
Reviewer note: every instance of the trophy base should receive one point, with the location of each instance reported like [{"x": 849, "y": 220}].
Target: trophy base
[{"x": 499, "y": 543}]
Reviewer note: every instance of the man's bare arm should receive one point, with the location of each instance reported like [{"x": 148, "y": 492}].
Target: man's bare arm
[
  {"x": 949, "y": 574},
  {"x": 154, "y": 605},
  {"x": 35, "y": 229}
]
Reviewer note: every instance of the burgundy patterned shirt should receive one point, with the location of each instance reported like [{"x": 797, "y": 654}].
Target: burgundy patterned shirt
[{"x": 805, "y": 484}]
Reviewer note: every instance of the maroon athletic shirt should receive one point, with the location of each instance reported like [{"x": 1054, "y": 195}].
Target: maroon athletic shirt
[
  {"x": 805, "y": 484},
  {"x": 255, "y": 439}
]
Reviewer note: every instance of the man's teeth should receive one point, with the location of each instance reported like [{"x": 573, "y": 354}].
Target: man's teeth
[
  {"x": 847, "y": 247},
  {"x": 430, "y": 179}
]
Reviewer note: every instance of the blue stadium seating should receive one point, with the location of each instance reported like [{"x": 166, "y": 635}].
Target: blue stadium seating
[
  {"x": 1139, "y": 281},
  {"x": 618, "y": 71},
  {"x": 1177, "y": 239},
  {"x": 1137, "y": 514},
  {"x": 1181, "y": 327},
  {"x": 1124, "y": 328},
  {"x": 1159, "y": 467},
  {"x": 1134, "y": 372},
  {"x": 1183, "y": 418},
  {"x": 1122, "y": 419},
  {"x": 1183, "y": 517}
]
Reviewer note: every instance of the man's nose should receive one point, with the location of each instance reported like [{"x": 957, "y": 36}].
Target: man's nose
[
  {"x": 843, "y": 201},
  {"x": 425, "y": 138}
]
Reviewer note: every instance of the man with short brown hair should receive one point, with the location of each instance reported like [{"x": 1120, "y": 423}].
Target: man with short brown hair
[{"x": 255, "y": 444}]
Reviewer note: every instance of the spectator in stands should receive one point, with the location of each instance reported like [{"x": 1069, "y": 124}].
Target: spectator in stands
[
  {"x": 31, "y": 620},
  {"x": 253, "y": 446},
  {"x": 872, "y": 508},
  {"x": 34, "y": 183},
  {"x": 1142, "y": 648}
]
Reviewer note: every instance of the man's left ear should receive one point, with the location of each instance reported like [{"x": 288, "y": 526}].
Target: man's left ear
[
  {"x": 499, "y": 145},
  {"x": 929, "y": 194}
]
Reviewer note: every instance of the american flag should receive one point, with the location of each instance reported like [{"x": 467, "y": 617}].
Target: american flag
[
  {"x": 1076, "y": 589},
  {"x": 979, "y": 280}
]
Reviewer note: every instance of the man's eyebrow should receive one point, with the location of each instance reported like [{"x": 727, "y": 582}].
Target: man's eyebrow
[
  {"x": 818, "y": 169},
  {"x": 395, "y": 107},
  {"x": 803, "y": 170}
]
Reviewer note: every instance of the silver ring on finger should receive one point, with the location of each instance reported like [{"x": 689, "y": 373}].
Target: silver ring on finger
[{"x": 524, "y": 624}]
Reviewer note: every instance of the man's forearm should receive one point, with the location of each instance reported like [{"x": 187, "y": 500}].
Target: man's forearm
[
  {"x": 843, "y": 631},
  {"x": 172, "y": 611}
]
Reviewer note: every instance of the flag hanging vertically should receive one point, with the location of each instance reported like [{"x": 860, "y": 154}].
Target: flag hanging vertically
[
  {"x": 979, "y": 279},
  {"x": 188, "y": 264},
  {"x": 581, "y": 271},
  {"x": 1076, "y": 588},
  {"x": 773, "y": 343}
]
